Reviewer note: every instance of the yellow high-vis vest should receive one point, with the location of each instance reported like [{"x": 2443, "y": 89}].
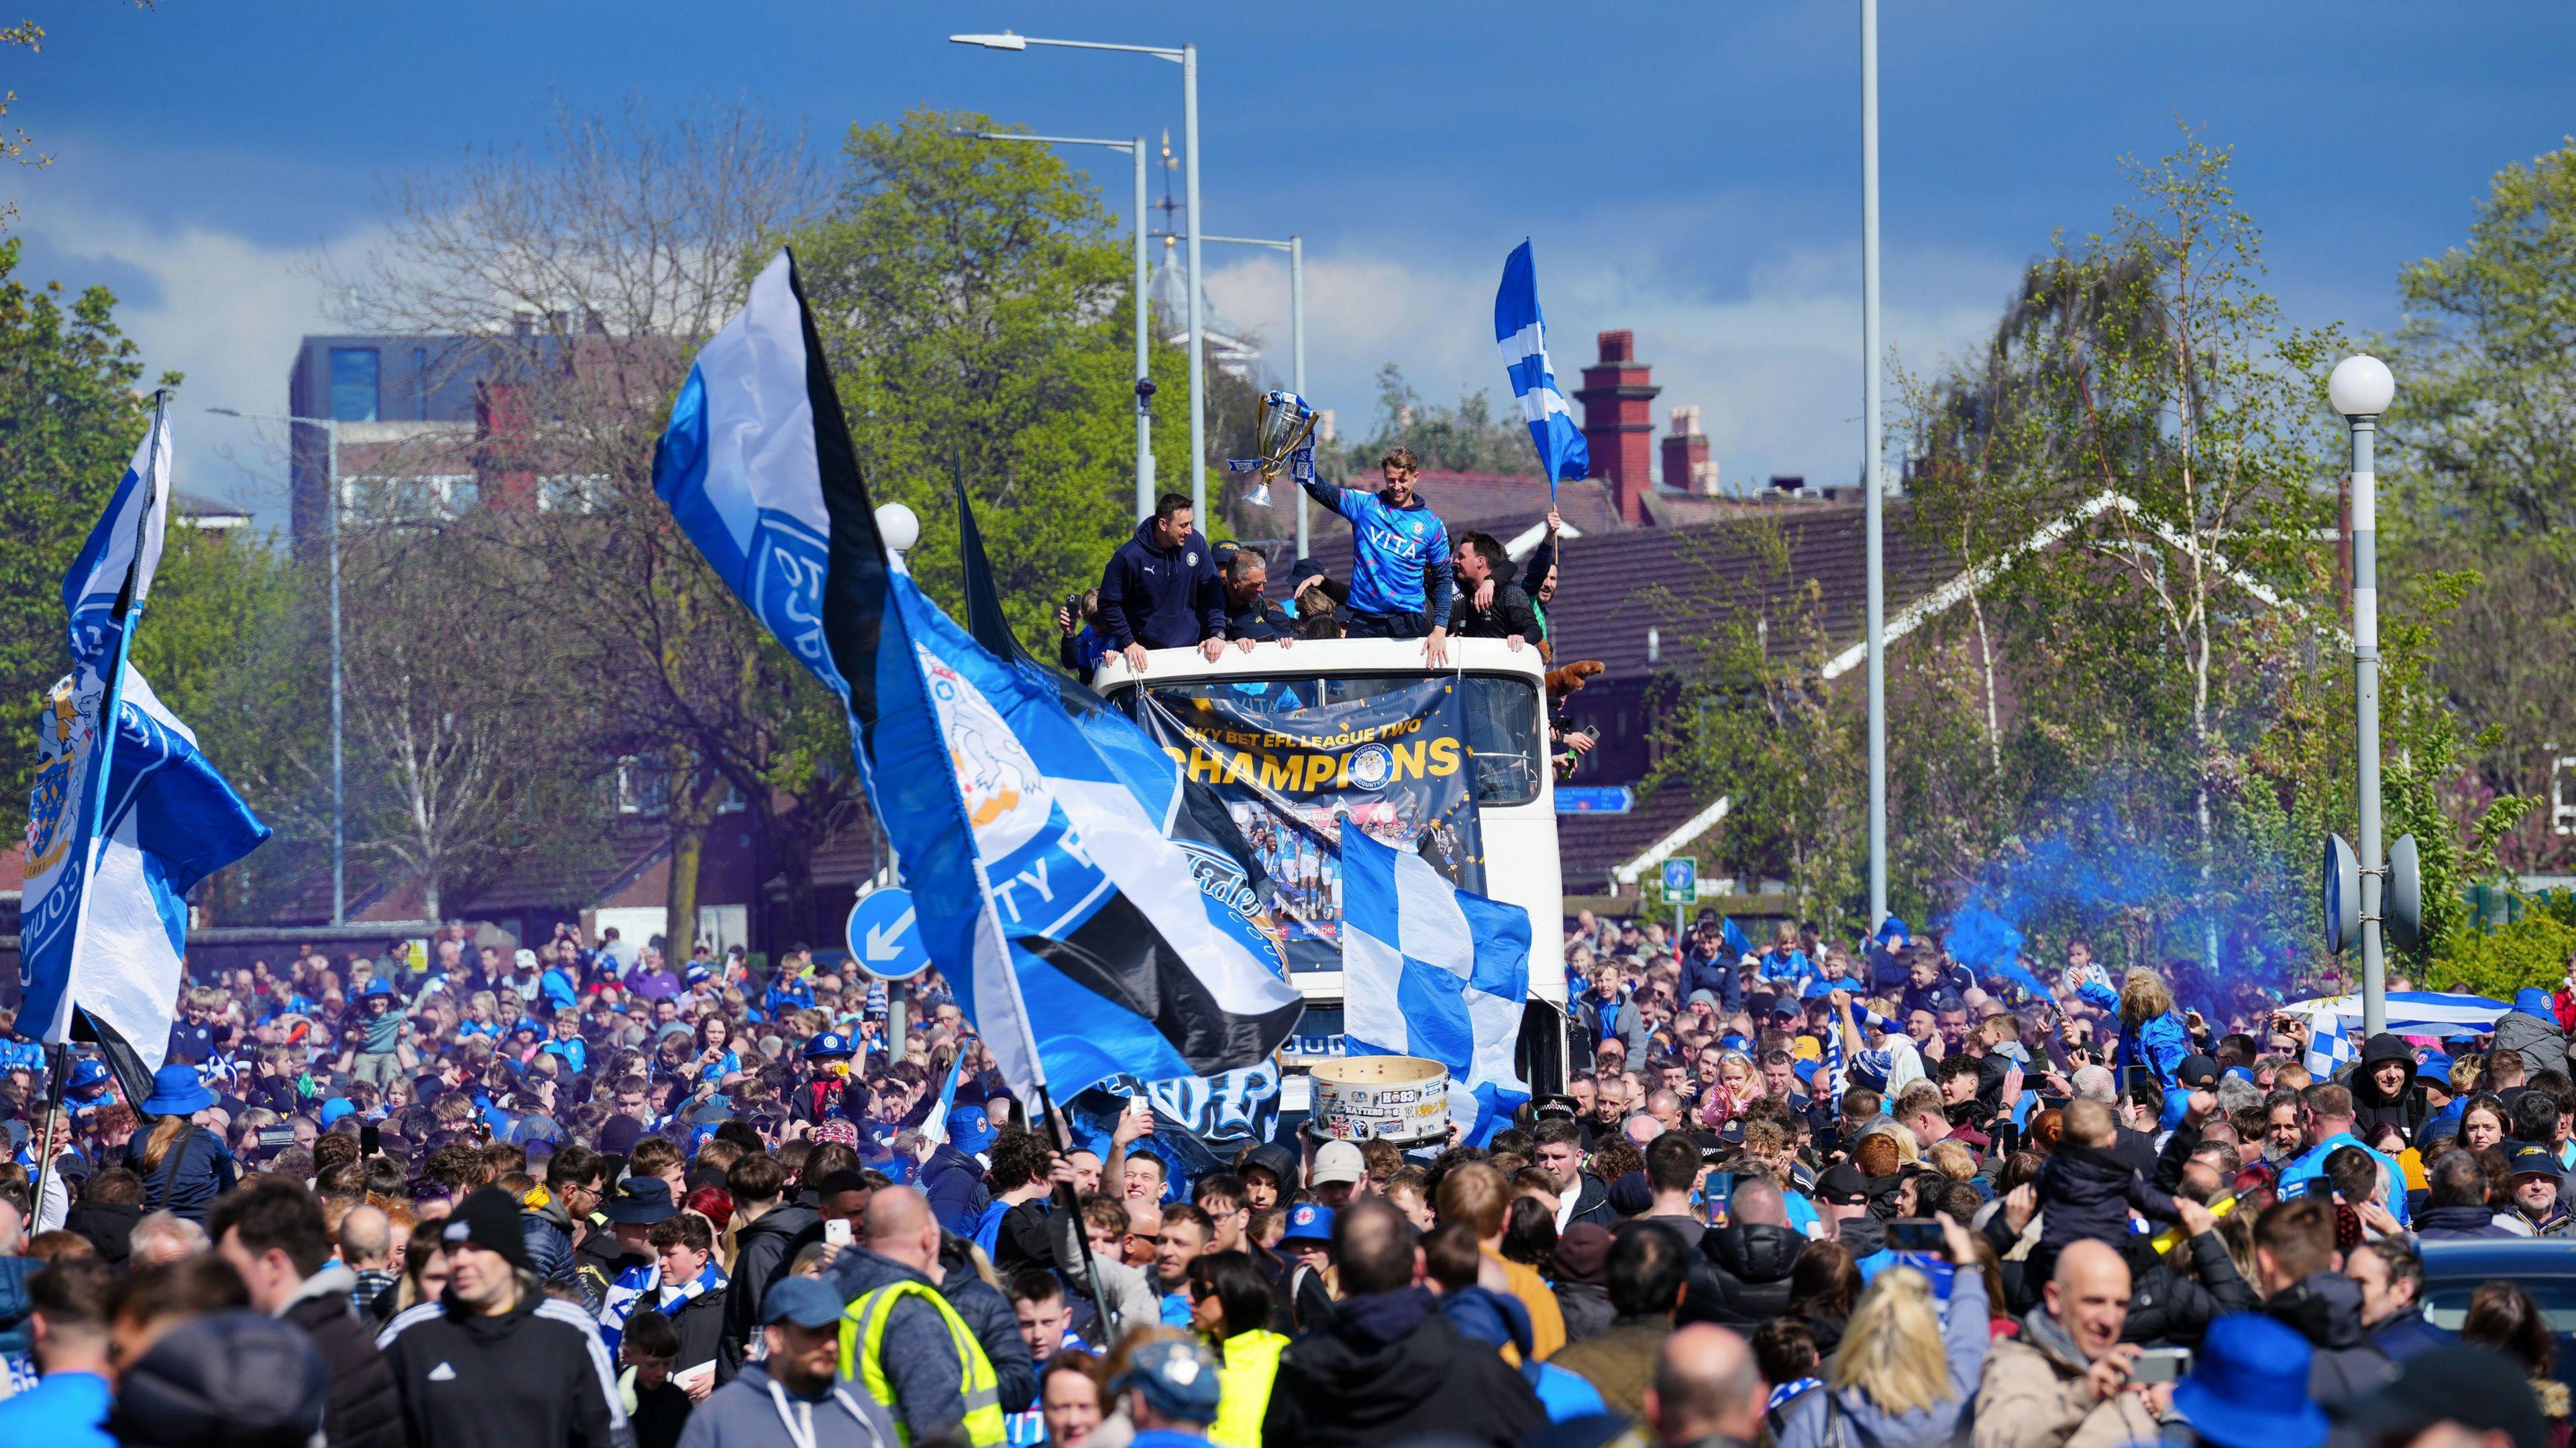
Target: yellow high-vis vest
[{"x": 863, "y": 1329}]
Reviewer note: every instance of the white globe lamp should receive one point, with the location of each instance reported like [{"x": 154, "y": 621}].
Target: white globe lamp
[{"x": 2361, "y": 387}]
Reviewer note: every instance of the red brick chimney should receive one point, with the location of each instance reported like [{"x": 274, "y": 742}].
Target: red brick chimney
[
  {"x": 1618, "y": 399},
  {"x": 504, "y": 476},
  {"x": 1686, "y": 460}
]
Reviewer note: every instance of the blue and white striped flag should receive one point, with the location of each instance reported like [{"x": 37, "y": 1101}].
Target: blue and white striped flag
[
  {"x": 1434, "y": 971},
  {"x": 1051, "y": 893},
  {"x": 123, "y": 821},
  {"x": 1521, "y": 333}
]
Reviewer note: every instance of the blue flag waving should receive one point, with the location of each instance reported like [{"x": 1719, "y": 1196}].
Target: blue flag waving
[
  {"x": 1434, "y": 971},
  {"x": 125, "y": 818},
  {"x": 1071, "y": 926},
  {"x": 1522, "y": 335}
]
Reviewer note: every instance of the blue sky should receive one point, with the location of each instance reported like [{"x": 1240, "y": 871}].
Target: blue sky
[{"x": 1690, "y": 171}]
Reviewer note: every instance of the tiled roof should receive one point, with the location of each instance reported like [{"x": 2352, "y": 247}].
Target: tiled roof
[{"x": 1613, "y": 586}]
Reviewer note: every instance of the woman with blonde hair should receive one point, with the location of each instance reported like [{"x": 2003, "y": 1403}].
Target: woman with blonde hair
[{"x": 1900, "y": 1379}]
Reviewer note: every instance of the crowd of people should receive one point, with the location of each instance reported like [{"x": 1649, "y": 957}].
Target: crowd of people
[{"x": 1815, "y": 1194}]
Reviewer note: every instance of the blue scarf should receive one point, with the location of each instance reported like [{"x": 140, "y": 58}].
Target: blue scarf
[{"x": 640, "y": 1286}]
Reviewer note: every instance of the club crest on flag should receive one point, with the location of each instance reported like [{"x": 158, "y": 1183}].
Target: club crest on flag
[
  {"x": 1005, "y": 802},
  {"x": 64, "y": 733}
]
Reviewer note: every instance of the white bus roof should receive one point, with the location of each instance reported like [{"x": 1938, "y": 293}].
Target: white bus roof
[{"x": 1320, "y": 657}]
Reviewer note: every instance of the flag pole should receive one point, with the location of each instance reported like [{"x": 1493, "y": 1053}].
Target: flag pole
[
  {"x": 1070, "y": 1204},
  {"x": 57, "y": 1076}
]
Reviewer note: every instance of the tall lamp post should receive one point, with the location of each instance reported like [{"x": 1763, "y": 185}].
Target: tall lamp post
[
  {"x": 339, "y": 798},
  {"x": 1187, "y": 58},
  {"x": 2361, "y": 389},
  {"x": 1144, "y": 361},
  {"x": 1872, "y": 480},
  {"x": 1295, "y": 246}
]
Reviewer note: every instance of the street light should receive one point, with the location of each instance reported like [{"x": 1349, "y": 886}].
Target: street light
[
  {"x": 2361, "y": 389},
  {"x": 1144, "y": 363},
  {"x": 1187, "y": 58},
  {"x": 1872, "y": 480},
  {"x": 339, "y": 798},
  {"x": 1295, "y": 246}
]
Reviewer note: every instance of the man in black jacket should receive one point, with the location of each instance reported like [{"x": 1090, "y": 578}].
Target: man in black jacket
[
  {"x": 496, "y": 1363},
  {"x": 1753, "y": 1254},
  {"x": 765, "y": 1224},
  {"x": 1160, "y": 590},
  {"x": 1490, "y": 605},
  {"x": 272, "y": 1233},
  {"x": 1391, "y": 1367}
]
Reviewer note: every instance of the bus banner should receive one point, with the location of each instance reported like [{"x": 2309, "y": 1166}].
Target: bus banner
[{"x": 1395, "y": 762}]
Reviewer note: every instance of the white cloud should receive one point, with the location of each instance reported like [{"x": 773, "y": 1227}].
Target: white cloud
[
  {"x": 229, "y": 313},
  {"x": 1774, "y": 365}
]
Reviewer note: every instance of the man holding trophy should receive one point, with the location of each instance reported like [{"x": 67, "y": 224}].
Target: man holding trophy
[{"x": 1397, "y": 544}]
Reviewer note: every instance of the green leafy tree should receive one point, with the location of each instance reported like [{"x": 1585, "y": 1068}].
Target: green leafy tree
[
  {"x": 69, "y": 420},
  {"x": 2132, "y": 457},
  {"x": 975, "y": 301},
  {"x": 2482, "y": 464}
]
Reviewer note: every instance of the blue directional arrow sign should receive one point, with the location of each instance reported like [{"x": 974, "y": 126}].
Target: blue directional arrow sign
[{"x": 883, "y": 939}]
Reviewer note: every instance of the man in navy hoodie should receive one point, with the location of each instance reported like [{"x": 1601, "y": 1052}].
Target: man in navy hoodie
[{"x": 1160, "y": 590}]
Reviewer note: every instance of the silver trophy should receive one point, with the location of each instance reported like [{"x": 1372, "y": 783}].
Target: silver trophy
[{"x": 1286, "y": 423}]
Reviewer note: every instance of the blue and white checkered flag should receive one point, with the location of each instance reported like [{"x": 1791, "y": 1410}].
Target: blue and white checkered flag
[
  {"x": 1521, "y": 333},
  {"x": 1434, "y": 971},
  {"x": 2328, "y": 1047}
]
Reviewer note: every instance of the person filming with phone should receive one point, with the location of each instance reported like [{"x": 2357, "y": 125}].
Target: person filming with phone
[{"x": 1901, "y": 1378}]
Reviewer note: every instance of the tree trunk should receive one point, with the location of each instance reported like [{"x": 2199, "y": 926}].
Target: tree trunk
[{"x": 680, "y": 928}]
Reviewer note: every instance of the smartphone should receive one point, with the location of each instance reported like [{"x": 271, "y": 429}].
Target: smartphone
[
  {"x": 370, "y": 1139},
  {"x": 836, "y": 1230},
  {"x": 2052, "y": 1103},
  {"x": 1917, "y": 1234},
  {"x": 2161, "y": 1365},
  {"x": 1719, "y": 1191}
]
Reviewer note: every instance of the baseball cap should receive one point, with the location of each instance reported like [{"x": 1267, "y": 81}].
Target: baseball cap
[
  {"x": 1178, "y": 1380},
  {"x": 804, "y": 1301},
  {"x": 641, "y": 1201},
  {"x": 1337, "y": 1161},
  {"x": 1309, "y": 1222},
  {"x": 2197, "y": 1071},
  {"x": 2532, "y": 1159},
  {"x": 523, "y": 957},
  {"x": 2474, "y": 1387},
  {"x": 334, "y": 1109},
  {"x": 827, "y": 1045},
  {"x": 1842, "y": 1186}
]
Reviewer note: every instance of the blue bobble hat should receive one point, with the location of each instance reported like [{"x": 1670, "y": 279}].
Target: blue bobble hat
[
  {"x": 2248, "y": 1388},
  {"x": 1308, "y": 1222},
  {"x": 829, "y": 1046},
  {"x": 176, "y": 1091},
  {"x": 1178, "y": 1379},
  {"x": 970, "y": 1130}
]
